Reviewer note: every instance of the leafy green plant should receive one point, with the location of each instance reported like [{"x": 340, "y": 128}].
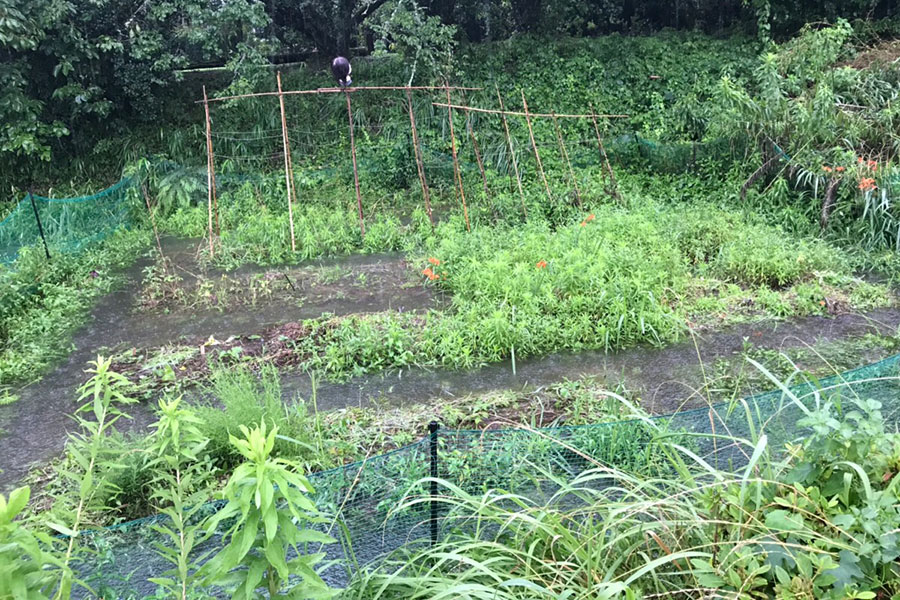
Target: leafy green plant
[
  {"x": 42, "y": 302},
  {"x": 270, "y": 526},
  {"x": 95, "y": 460},
  {"x": 29, "y": 567},
  {"x": 183, "y": 472}
]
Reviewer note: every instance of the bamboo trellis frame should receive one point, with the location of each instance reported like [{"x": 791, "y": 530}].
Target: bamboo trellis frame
[
  {"x": 210, "y": 174},
  {"x": 512, "y": 152},
  {"x": 288, "y": 167},
  {"x": 462, "y": 192},
  {"x": 514, "y": 113},
  {"x": 418, "y": 151},
  {"x": 338, "y": 90},
  {"x": 537, "y": 155},
  {"x": 213, "y": 216}
]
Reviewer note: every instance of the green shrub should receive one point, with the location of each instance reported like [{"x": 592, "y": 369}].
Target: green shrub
[
  {"x": 269, "y": 523},
  {"x": 767, "y": 256},
  {"x": 240, "y": 397}
]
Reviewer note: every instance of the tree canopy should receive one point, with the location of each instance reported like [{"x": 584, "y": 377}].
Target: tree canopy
[{"x": 71, "y": 66}]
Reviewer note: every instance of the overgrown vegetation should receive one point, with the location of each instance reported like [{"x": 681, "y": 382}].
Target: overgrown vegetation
[
  {"x": 739, "y": 188},
  {"x": 781, "y": 527},
  {"x": 805, "y": 503},
  {"x": 44, "y": 301}
]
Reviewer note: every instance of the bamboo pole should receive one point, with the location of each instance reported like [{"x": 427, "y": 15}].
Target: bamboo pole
[
  {"x": 336, "y": 90},
  {"x": 513, "y": 113},
  {"x": 537, "y": 154},
  {"x": 512, "y": 152},
  {"x": 362, "y": 226},
  {"x": 471, "y": 131},
  {"x": 565, "y": 154},
  {"x": 459, "y": 181},
  {"x": 210, "y": 175},
  {"x": 419, "y": 166},
  {"x": 155, "y": 230},
  {"x": 603, "y": 155},
  {"x": 288, "y": 175}
]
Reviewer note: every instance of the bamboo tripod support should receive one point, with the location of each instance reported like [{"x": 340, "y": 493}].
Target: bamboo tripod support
[
  {"x": 512, "y": 153},
  {"x": 471, "y": 130},
  {"x": 210, "y": 176},
  {"x": 152, "y": 214},
  {"x": 418, "y": 152},
  {"x": 462, "y": 193},
  {"x": 604, "y": 157},
  {"x": 537, "y": 155},
  {"x": 362, "y": 225},
  {"x": 565, "y": 155},
  {"x": 288, "y": 167}
]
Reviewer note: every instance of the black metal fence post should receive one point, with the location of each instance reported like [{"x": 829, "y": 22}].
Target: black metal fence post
[
  {"x": 37, "y": 217},
  {"x": 433, "y": 442}
]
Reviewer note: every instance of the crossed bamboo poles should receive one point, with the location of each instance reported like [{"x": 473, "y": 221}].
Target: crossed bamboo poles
[{"x": 291, "y": 197}]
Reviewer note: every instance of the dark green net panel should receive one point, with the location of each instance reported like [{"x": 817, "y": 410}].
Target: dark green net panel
[
  {"x": 370, "y": 499},
  {"x": 69, "y": 224}
]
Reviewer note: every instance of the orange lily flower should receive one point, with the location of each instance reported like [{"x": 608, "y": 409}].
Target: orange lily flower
[{"x": 541, "y": 264}]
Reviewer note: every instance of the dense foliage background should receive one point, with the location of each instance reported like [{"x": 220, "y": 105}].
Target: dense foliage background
[{"x": 75, "y": 72}]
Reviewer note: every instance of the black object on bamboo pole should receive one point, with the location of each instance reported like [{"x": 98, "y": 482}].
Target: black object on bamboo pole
[
  {"x": 565, "y": 154},
  {"x": 288, "y": 168},
  {"x": 433, "y": 461},
  {"x": 210, "y": 174},
  {"x": 459, "y": 181},
  {"x": 419, "y": 166},
  {"x": 362, "y": 226},
  {"x": 37, "y": 217},
  {"x": 537, "y": 155},
  {"x": 604, "y": 156},
  {"x": 512, "y": 153}
]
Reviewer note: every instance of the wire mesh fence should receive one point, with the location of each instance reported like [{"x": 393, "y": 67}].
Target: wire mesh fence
[{"x": 367, "y": 498}]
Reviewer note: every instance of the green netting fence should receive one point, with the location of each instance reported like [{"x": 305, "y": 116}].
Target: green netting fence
[
  {"x": 364, "y": 497},
  {"x": 67, "y": 224}
]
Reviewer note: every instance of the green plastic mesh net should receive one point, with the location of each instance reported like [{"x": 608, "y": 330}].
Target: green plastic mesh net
[
  {"x": 68, "y": 224},
  {"x": 365, "y": 496}
]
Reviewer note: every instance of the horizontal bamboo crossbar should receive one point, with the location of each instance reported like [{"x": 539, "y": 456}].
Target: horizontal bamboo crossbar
[
  {"x": 522, "y": 114},
  {"x": 334, "y": 90}
]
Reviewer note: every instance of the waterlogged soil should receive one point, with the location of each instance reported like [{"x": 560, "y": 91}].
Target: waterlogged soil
[
  {"x": 35, "y": 428},
  {"x": 354, "y": 284},
  {"x": 665, "y": 379}
]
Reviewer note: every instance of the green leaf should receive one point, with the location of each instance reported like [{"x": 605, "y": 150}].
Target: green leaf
[
  {"x": 18, "y": 499},
  {"x": 847, "y": 573},
  {"x": 61, "y": 529},
  {"x": 782, "y": 520}
]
